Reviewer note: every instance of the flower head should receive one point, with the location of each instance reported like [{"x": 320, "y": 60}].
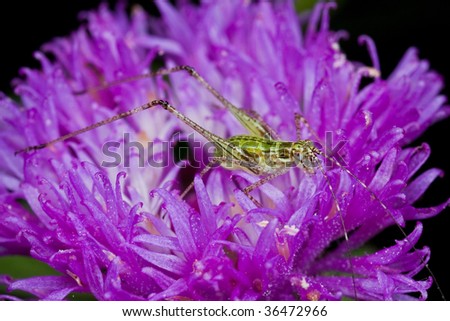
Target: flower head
[{"x": 123, "y": 233}]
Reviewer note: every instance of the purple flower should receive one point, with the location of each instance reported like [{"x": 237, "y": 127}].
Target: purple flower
[{"x": 123, "y": 233}]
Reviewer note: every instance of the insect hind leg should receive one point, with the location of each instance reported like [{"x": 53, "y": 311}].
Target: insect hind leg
[
  {"x": 164, "y": 104},
  {"x": 95, "y": 125},
  {"x": 249, "y": 119}
]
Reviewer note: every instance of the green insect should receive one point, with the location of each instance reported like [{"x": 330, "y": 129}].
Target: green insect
[{"x": 261, "y": 152}]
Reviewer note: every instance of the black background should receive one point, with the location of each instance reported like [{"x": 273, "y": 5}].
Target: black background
[{"x": 394, "y": 25}]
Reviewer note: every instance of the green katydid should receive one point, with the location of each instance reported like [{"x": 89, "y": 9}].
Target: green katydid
[{"x": 261, "y": 152}]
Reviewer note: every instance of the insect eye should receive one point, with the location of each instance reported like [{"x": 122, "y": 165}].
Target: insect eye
[{"x": 298, "y": 156}]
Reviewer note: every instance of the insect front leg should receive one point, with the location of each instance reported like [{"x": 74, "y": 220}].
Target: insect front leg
[{"x": 298, "y": 126}]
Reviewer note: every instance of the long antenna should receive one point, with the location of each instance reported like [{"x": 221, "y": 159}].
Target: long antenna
[
  {"x": 338, "y": 207},
  {"x": 300, "y": 118},
  {"x": 386, "y": 210}
]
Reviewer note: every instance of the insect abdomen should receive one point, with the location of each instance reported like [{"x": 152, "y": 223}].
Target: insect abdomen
[{"x": 268, "y": 155}]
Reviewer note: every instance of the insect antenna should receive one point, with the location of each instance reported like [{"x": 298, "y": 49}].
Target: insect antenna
[
  {"x": 386, "y": 210},
  {"x": 299, "y": 120},
  {"x": 344, "y": 229}
]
